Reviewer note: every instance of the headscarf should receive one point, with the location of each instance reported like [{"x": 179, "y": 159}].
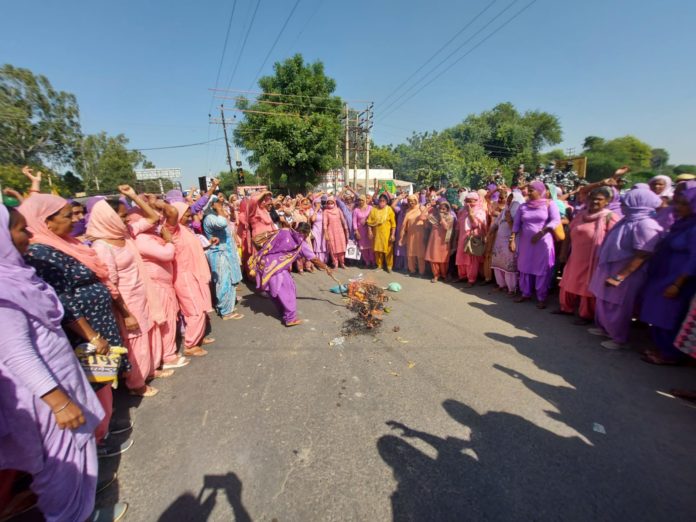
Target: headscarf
[
  {"x": 189, "y": 246},
  {"x": 106, "y": 224},
  {"x": 19, "y": 284},
  {"x": 174, "y": 196},
  {"x": 638, "y": 205},
  {"x": 89, "y": 205},
  {"x": 668, "y": 191},
  {"x": 541, "y": 189},
  {"x": 479, "y": 213},
  {"x": 683, "y": 223},
  {"x": 517, "y": 201},
  {"x": 334, "y": 212},
  {"x": 554, "y": 190},
  {"x": 36, "y": 210}
]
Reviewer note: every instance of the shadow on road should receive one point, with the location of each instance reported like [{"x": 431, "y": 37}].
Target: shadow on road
[
  {"x": 510, "y": 468},
  {"x": 194, "y": 508}
]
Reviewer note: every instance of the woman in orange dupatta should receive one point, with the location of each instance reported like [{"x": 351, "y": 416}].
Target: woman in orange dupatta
[
  {"x": 413, "y": 235},
  {"x": 472, "y": 223},
  {"x": 114, "y": 244},
  {"x": 191, "y": 280},
  {"x": 441, "y": 222}
]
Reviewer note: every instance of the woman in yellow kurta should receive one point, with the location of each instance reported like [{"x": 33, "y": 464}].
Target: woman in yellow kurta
[{"x": 382, "y": 228}]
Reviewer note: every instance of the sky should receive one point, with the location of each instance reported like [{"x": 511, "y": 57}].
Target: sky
[{"x": 146, "y": 68}]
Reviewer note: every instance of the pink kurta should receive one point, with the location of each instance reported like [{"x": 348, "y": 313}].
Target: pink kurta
[
  {"x": 123, "y": 272},
  {"x": 360, "y": 225},
  {"x": 158, "y": 257},
  {"x": 335, "y": 231},
  {"x": 438, "y": 249},
  {"x": 584, "y": 253},
  {"x": 468, "y": 227}
]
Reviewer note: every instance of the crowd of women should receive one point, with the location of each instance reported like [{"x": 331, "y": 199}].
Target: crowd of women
[
  {"x": 109, "y": 274},
  {"x": 141, "y": 271}
]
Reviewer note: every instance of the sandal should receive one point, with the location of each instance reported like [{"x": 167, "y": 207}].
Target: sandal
[
  {"x": 561, "y": 312},
  {"x": 296, "y": 322},
  {"x": 522, "y": 299},
  {"x": 195, "y": 351},
  {"x": 658, "y": 360},
  {"x": 147, "y": 391},
  {"x": 541, "y": 305},
  {"x": 207, "y": 340},
  {"x": 162, "y": 374},
  {"x": 232, "y": 316}
]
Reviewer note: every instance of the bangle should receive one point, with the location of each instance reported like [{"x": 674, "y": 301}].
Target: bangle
[
  {"x": 617, "y": 278},
  {"x": 34, "y": 190},
  {"x": 62, "y": 407},
  {"x": 98, "y": 336}
]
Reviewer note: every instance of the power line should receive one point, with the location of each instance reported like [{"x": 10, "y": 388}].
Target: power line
[
  {"x": 311, "y": 17},
  {"x": 481, "y": 42},
  {"x": 456, "y": 35},
  {"x": 275, "y": 42},
  {"x": 176, "y": 146},
  {"x": 244, "y": 42},
  {"x": 261, "y": 93},
  {"x": 455, "y": 51}
]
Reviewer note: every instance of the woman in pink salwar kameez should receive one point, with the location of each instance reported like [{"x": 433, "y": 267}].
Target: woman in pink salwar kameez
[
  {"x": 114, "y": 245},
  {"x": 360, "y": 229},
  {"x": 157, "y": 250},
  {"x": 335, "y": 232},
  {"x": 587, "y": 232},
  {"x": 472, "y": 223},
  {"x": 191, "y": 280},
  {"x": 412, "y": 236}
]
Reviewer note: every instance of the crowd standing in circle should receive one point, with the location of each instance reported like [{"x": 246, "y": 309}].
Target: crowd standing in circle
[{"x": 136, "y": 271}]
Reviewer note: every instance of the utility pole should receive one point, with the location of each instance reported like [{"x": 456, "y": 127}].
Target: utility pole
[
  {"x": 227, "y": 143},
  {"x": 346, "y": 167},
  {"x": 368, "y": 126},
  {"x": 356, "y": 142}
]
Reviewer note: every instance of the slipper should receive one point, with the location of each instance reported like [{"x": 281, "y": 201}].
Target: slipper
[
  {"x": 149, "y": 392},
  {"x": 541, "y": 305},
  {"x": 561, "y": 312},
  {"x": 582, "y": 322},
  {"x": 195, "y": 351},
  {"x": 178, "y": 363},
  {"x": 659, "y": 361},
  {"x": 232, "y": 316},
  {"x": 294, "y": 323},
  {"x": 163, "y": 374},
  {"x": 208, "y": 340},
  {"x": 522, "y": 299}
]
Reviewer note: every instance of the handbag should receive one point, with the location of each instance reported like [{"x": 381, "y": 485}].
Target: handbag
[
  {"x": 352, "y": 250},
  {"x": 100, "y": 369},
  {"x": 475, "y": 246}
]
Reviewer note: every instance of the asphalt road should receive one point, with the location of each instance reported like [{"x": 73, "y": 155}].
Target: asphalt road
[{"x": 476, "y": 409}]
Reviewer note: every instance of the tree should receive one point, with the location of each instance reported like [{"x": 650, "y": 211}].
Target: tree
[
  {"x": 383, "y": 157},
  {"x": 229, "y": 180},
  {"x": 38, "y": 124},
  {"x": 685, "y": 169},
  {"x": 72, "y": 183},
  {"x": 105, "y": 162},
  {"x": 603, "y": 157},
  {"x": 294, "y": 136}
]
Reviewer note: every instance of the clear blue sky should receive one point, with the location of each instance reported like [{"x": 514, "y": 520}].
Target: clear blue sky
[{"x": 143, "y": 68}]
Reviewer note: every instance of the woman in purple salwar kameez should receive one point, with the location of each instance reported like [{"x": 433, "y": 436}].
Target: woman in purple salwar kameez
[
  {"x": 620, "y": 272},
  {"x": 271, "y": 266},
  {"x": 671, "y": 282},
  {"x": 361, "y": 231},
  {"x": 49, "y": 409},
  {"x": 532, "y": 239}
]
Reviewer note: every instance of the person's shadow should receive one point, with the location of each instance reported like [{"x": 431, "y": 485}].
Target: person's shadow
[
  {"x": 509, "y": 469},
  {"x": 195, "y": 508}
]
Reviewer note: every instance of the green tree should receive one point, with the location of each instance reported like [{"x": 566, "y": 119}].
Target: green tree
[
  {"x": 229, "y": 180},
  {"x": 294, "y": 136},
  {"x": 685, "y": 169},
  {"x": 383, "y": 157},
  {"x": 72, "y": 182},
  {"x": 604, "y": 157},
  {"x": 38, "y": 124},
  {"x": 105, "y": 162}
]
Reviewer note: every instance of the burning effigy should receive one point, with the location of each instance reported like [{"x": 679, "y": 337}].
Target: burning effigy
[{"x": 366, "y": 300}]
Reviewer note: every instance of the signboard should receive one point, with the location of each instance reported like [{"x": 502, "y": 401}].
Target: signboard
[
  {"x": 579, "y": 165},
  {"x": 388, "y": 185},
  {"x": 145, "y": 174}
]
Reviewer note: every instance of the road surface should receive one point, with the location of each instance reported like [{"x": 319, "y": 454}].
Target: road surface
[{"x": 476, "y": 408}]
